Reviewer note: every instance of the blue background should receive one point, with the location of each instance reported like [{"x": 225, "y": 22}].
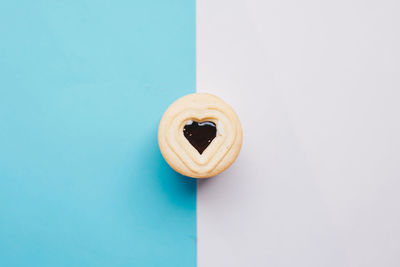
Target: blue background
[{"x": 83, "y": 85}]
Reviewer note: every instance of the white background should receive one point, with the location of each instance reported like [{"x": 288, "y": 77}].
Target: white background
[{"x": 316, "y": 85}]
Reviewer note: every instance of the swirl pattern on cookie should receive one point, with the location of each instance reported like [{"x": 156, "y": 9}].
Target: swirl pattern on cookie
[{"x": 216, "y": 153}]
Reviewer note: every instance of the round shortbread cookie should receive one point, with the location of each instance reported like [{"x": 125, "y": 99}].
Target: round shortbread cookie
[{"x": 200, "y": 135}]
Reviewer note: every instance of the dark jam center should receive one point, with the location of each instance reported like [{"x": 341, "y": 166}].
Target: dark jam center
[{"x": 200, "y": 134}]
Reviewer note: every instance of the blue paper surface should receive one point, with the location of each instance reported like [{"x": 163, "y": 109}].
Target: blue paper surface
[{"x": 83, "y": 85}]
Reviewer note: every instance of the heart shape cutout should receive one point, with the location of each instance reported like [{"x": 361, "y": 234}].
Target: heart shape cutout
[
  {"x": 211, "y": 157},
  {"x": 200, "y": 134},
  {"x": 213, "y": 151}
]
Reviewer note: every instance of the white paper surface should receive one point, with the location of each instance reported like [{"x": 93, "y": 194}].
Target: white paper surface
[{"x": 316, "y": 85}]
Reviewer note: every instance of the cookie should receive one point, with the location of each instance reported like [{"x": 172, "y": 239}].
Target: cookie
[{"x": 200, "y": 135}]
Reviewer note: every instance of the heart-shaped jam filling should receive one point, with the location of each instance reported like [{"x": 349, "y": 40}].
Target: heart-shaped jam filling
[{"x": 200, "y": 134}]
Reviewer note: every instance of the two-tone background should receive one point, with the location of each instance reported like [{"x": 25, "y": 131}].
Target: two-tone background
[{"x": 316, "y": 85}]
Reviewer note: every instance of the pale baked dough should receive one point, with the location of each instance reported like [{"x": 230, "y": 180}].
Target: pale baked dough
[{"x": 177, "y": 150}]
